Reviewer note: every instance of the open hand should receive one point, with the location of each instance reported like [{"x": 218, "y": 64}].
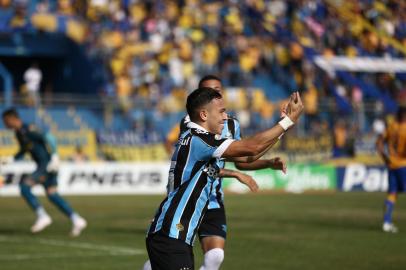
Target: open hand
[
  {"x": 295, "y": 107},
  {"x": 278, "y": 164},
  {"x": 248, "y": 181}
]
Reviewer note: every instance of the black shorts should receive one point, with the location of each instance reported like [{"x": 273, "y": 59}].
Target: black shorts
[
  {"x": 167, "y": 253},
  {"x": 213, "y": 223}
]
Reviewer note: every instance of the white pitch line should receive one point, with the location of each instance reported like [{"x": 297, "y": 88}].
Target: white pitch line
[{"x": 83, "y": 245}]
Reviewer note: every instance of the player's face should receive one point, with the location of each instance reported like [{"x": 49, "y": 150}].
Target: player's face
[
  {"x": 11, "y": 122},
  {"x": 216, "y": 115},
  {"x": 214, "y": 84}
]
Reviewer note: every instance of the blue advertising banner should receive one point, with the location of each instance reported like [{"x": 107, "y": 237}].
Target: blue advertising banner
[{"x": 359, "y": 177}]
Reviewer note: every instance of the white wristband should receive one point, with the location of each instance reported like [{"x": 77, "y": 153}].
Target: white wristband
[{"x": 286, "y": 123}]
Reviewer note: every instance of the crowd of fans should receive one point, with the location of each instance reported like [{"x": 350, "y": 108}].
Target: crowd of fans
[{"x": 154, "y": 52}]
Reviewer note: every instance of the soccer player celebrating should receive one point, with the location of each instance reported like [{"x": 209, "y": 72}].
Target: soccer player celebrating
[
  {"x": 194, "y": 171},
  {"x": 43, "y": 152},
  {"x": 213, "y": 229},
  {"x": 395, "y": 139}
]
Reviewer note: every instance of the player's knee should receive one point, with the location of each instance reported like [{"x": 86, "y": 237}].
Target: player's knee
[
  {"x": 26, "y": 184},
  {"x": 50, "y": 191},
  {"x": 214, "y": 258}
]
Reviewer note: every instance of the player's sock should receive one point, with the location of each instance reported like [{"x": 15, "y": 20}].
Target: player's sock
[
  {"x": 213, "y": 259},
  {"x": 389, "y": 205},
  {"x": 147, "y": 265},
  {"x": 79, "y": 224},
  {"x": 40, "y": 211},
  {"x": 56, "y": 199},
  {"x": 29, "y": 197},
  {"x": 75, "y": 217}
]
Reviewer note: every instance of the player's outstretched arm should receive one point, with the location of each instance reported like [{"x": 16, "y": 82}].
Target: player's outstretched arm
[
  {"x": 251, "y": 149},
  {"x": 276, "y": 163},
  {"x": 242, "y": 177},
  {"x": 256, "y": 164}
]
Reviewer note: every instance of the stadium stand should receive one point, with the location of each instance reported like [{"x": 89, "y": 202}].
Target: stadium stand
[{"x": 146, "y": 56}]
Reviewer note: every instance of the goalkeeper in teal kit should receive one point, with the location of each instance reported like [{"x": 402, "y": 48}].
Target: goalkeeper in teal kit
[{"x": 42, "y": 148}]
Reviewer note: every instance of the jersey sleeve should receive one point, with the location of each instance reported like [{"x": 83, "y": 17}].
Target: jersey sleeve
[
  {"x": 36, "y": 134},
  {"x": 234, "y": 128},
  {"x": 237, "y": 130},
  {"x": 50, "y": 141},
  {"x": 46, "y": 138},
  {"x": 20, "y": 154},
  {"x": 207, "y": 146},
  {"x": 21, "y": 149}
]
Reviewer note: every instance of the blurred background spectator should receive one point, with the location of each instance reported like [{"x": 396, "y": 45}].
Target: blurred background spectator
[{"x": 128, "y": 65}]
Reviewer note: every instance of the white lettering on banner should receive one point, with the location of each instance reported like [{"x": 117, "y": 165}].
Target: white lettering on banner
[
  {"x": 371, "y": 179},
  {"x": 301, "y": 179},
  {"x": 114, "y": 178},
  {"x": 95, "y": 178}
]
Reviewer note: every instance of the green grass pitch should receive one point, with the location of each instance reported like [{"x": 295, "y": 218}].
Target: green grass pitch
[{"x": 265, "y": 231}]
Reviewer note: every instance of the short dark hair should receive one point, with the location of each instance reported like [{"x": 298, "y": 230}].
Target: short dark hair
[
  {"x": 208, "y": 78},
  {"x": 199, "y": 98},
  {"x": 10, "y": 112},
  {"x": 401, "y": 114}
]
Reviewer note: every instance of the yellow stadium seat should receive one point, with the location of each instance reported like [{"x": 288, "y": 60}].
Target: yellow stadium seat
[{"x": 45, "y": 22}]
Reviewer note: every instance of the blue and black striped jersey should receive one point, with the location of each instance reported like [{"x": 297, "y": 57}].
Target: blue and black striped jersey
[
  {"x": 231, "y": 130},
  {"x": 193, "y": 171}
]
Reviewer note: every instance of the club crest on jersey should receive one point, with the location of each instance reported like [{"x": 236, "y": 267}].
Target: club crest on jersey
[
  {"x": 212, "y": 171},
  {"x": 180, "y": 227}
]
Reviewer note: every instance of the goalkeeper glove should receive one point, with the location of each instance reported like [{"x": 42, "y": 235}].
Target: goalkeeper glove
[{"x": 54, "y": 163}]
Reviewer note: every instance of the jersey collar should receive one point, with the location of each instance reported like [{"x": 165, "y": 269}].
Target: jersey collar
[{"x": 194, "y": 125}]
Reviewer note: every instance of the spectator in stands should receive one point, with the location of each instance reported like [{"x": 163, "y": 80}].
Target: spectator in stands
[
  {"x": 124, "y": 92},
  {"x": 169, "y": 44},
  {"x": 340, "y": 139},
  {"x": 343, "y": 139},
  {"x": 310, "y": 99},
  {"x": 33, "y": 78},
  {"x": 79, "y": 156},
  {"x": 20, "y": 20}
]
